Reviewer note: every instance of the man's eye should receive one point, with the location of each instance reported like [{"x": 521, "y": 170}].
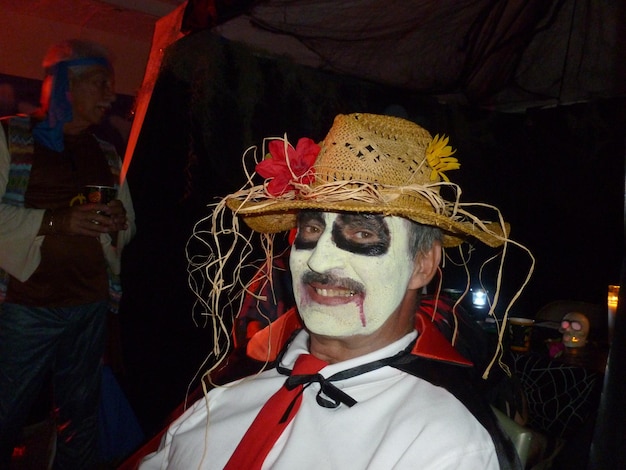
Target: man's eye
[
  {"x": 310, "y": 231},
  {"x": 308, "y": 235},
  {"x": 361, "y": 236}
]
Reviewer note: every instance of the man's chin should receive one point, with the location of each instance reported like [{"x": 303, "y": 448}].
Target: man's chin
[
  {"x": 324, "y": 333},
  {"x": 328, "y": 322}
]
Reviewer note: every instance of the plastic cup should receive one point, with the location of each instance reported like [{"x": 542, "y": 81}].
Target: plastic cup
[
  {"x": 100, "y": 194},
  {"x": 520, "y": 330}
]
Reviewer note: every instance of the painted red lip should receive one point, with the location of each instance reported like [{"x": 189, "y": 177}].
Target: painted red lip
[{"x": 330, "y": 295}]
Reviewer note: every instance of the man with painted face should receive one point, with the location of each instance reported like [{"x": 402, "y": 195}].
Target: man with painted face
[
  {"x": 355, "y": 279},
  {"x": 357, "y": 378},
  {"x": 59, "y": 253}
]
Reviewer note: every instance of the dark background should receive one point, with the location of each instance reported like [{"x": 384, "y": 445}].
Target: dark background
[{"x": 556, "y": 174}]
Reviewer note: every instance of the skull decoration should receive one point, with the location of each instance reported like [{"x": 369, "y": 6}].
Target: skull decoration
[{"x": 575, "y": 329}]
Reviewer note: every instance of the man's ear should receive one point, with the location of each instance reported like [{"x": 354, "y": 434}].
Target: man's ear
[{"x": 425, "y": 266}]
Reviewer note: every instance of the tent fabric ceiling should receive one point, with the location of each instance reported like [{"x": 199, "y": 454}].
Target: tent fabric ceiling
[
  {"x": 91, "y": 14},
  {"x": 490, "y": 53},
  {"x": 126, "y": 27},
  {"x": 504, "y": 54}
]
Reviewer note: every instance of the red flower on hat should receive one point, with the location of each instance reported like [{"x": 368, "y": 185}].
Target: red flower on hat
[{"x": 294, "y": 167}]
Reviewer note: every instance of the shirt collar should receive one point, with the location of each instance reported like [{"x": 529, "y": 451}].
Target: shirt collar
[{"x": 431, "y": 344}]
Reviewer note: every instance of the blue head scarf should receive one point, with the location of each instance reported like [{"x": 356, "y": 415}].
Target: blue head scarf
[{"x": 49, "y": 132}]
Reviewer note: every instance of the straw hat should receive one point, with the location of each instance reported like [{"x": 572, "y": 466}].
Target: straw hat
[{"x": 370, "y": 164}]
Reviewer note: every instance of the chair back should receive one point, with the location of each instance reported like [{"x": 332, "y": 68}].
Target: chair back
[{"x": 519, "y": 435}]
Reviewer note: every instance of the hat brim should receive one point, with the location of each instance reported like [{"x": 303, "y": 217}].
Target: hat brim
[{"x": 280, "y": 216}]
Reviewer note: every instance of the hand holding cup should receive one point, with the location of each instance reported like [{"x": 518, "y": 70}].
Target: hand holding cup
[
  {"x": 97, "y": 194},
  {"x": 100, "y": 213}
]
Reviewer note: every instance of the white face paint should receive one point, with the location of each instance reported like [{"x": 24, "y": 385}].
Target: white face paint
[{"x": 350, "y": 271}]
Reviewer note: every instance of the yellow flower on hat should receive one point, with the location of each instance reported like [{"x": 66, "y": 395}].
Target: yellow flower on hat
[{"x": 438, "y": 157}]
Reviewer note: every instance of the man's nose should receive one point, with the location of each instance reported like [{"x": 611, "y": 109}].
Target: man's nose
[
  {"x": 109, "y": 91},
  {"x": 325, "y": 256}
]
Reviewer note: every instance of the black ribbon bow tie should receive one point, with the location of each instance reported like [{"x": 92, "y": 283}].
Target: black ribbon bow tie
[
  {"x": 329, "y": 396},
  {"x": 327, "y": 389}
]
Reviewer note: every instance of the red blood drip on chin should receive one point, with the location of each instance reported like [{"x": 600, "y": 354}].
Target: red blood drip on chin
[{"x": 359, "y": 304}]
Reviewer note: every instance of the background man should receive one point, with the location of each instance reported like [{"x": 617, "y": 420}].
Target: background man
[
  {"x": 371, "y": 383},
  {"x": 60, "y": 258}
]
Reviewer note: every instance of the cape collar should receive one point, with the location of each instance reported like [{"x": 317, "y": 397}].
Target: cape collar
[{"x": 266, "y": 344}]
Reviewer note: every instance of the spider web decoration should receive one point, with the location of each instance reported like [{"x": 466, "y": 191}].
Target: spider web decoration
[{"x": 560, "y": 396}]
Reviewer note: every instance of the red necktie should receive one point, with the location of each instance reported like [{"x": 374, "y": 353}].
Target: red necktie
[{"x": 272, "y": 420}]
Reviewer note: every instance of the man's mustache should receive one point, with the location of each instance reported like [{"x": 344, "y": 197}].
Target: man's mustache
[{"x": 310, "y": 277}]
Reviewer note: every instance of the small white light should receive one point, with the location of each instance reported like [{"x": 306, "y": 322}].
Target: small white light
[{"x": 479, "y": 298}]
